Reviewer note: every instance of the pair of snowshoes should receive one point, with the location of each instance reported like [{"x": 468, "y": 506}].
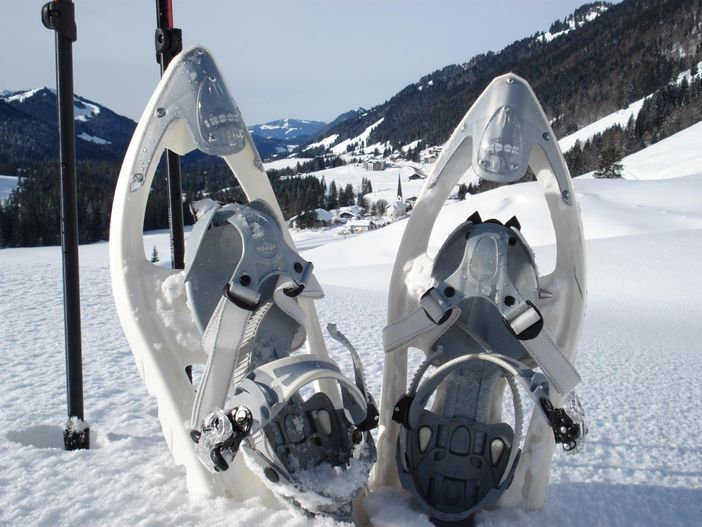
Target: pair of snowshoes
[{"x": 248, "y": 413}]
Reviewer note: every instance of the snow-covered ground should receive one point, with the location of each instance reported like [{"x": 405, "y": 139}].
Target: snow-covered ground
[
  {"x": 279, "y": 164},
  {"x": 639, "y": 357}
]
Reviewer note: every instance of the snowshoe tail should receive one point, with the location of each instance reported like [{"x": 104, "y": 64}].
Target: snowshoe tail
[
  {"x": 259, "y": 418},
  {"x": 486, "y": 321}
]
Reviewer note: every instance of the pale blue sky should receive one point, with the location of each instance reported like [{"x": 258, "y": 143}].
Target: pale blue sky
[{"x": 309, "y": 59}]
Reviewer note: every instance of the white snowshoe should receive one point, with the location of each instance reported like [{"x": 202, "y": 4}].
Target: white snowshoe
[
  {"x": 263, "y": 420},
  {"x": 485, "y": 320}
]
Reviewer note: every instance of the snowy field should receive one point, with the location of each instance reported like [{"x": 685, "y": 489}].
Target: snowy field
[{"x": 640, "y": 357}]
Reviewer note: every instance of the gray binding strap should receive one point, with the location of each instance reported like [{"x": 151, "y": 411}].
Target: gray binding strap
[
  {"x": 402, "y": 333},
  {"x": 288, "y": 304},
  {"x": 483, "y": 272},
  {"x": 358, "y": 374},
  {"x": 264, "y": 254},
  {"x": 221, "y": 341},
  {"x": 556, "y": 367},
  {"x": 223, "y": 338},
  {"x": 434, "y": 305},
  {"x": 268, "y": 388},
  {"x": 357, "y": 365}
]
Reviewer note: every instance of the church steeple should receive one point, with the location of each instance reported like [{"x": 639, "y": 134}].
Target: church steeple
[{"x": 399, "y": 189}]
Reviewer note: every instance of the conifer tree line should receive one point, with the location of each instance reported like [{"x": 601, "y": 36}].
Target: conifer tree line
[
  {"x": 628, "y": 52},
  {"x": 667, "y": 111},
  {"x": 30, "y": 215}
]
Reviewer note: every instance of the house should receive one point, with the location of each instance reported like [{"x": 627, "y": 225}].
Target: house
[
  {"x": 362, "y": 225},
  {"x": 396, "y": 211},
  {"x": 374, "y": 165},
  {"x": 413, "y": 173},
  {"x": 351, "y": 212},
  {"x": 322, "y": 218},
  {"x": 345, "y": 214}
]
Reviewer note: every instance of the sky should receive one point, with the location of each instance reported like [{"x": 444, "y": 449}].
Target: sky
[{"x": 306, "y": 59}]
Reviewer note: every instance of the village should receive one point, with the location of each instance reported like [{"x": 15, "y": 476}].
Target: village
[{"x": 372, "y": 211}]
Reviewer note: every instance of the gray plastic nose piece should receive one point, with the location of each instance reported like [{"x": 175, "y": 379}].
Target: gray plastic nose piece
[
  {"x": 240, "y": 246},
  {"x": 196, "y": 96}
]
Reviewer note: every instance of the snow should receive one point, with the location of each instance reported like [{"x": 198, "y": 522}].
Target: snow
[
  {"x": 93, "y": 139},
  {"x": 411, "y": 146},
  {"x": 326, "y": 142},
  {"x": 674, "y": 156},
  {"x": 573, "y": 24},
  {"x": 20, "y": 96},
  {"x": 363, "y": 137},
  {"x": 84, "y": 110},
  {"x": 639, "y": 358},
  {"x": 290, "y": 162},
  {"x": 384, "y": 182},
  {"x": 7, "y": 185},
  {"x": 620, "y": 117}
]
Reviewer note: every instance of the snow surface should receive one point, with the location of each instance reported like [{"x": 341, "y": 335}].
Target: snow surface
[
  {"x": 20, "y": 96},
  {"x": 84, "y": 110},
  {"x": 639, "y": 357},
  {"x": 674, "y": 156},
  {"x": 326, "y": 142},
  {"x": 291, "y": 162},
  {"x": 93, "y": 139},
  {"x": 384, "y": 182},
  {"x": 573, "y": 24},
  {"x": 620, "y": 117},
  {"x": 7, "y": 185},
  {"x": 363, "y": 137}
]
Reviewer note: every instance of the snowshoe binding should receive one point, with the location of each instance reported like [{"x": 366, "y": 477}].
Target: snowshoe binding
[
  {"x": 486, "y": 321},
  {"x": 259, "y": 417}
]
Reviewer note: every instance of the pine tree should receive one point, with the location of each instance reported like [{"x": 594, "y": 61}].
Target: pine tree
[
  {"x": 154, "y": 255},
  {"x": 332, "y": 197},
  {"x": 608, "y": 167}
]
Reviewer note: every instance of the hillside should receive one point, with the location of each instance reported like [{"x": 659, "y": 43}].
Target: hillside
[
  {"x": 28, "y": 129},
  {"x": 601, "y": 59}
]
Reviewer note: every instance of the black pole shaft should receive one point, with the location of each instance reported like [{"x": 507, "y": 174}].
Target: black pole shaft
[
  {"x": 168, "y": 45},
  {"x": 59, "y": 16}
]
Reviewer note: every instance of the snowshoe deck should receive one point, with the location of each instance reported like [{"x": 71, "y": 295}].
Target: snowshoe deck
[
  {"x": 484, "y": 318},
  {"x": 241, "y": 308}
]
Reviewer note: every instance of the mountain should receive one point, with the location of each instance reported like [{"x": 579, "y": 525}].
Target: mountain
[
  {"x": 288, "y": 130},
  {"x": 342, "y": 118},
  {"x": 600, "y": 59},
  {"x": 28, "y": 128}
]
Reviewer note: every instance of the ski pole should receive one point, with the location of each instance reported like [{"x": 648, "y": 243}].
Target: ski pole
[
  {"x": 169, "y": 43},
  {"x": 59, "y": 16}
]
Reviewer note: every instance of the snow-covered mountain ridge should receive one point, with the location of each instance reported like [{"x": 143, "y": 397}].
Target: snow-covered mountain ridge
[
  {"x": 28, "y": 127},
  {"x": 601, "y": 59},
  {"x": 288, "y": 129}
]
